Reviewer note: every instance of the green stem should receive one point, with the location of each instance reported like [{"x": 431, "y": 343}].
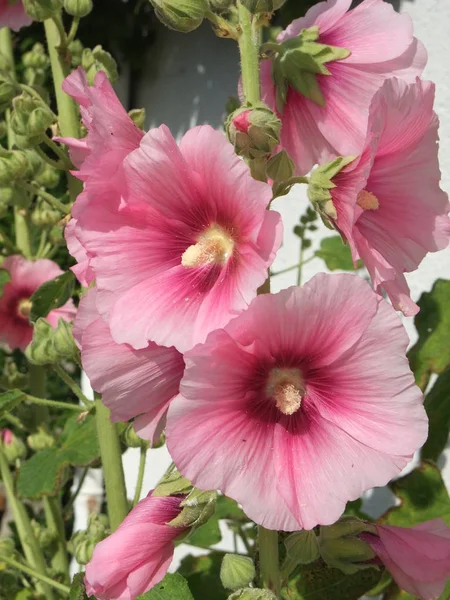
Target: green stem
[
  {"x": 62, "y": 41},
  {"x": 269, "y": 559},
  {"x": 244, "y": 539},
  {"x": 54, "y": 202},
  {"x": 293, "y": 267},
  {"x": 73, "y": 30},
  {"x": 55, "y": 524},
  {"x": 67, "y": 110},
  {"x": 73, "y": 497},
  {"x": 300, "y": 262},
  {"x": 36, "y": 575},
  {"x": 60, "y": 153},
  {"x": 249, "y": 49},
  {"x": 28, "y": 540},
  {"x": 223, "y": 28},
  {"x": 55, "y": 403},
  {"x": 108, "y": 440},
  {"x": 38, "y": 387},
  {"x": 140, "y": 479},
  {"x": 56, "y": 164},
  {"x": 73, "y": 386}
]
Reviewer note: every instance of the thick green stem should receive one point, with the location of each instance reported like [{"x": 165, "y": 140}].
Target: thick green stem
[
  {"x": 269, "y": 559},
  {"x": 36, "y": 574},
  {"x": 30, "y": 545},
  {"x": 249, "y": 50},
  {"x": 38, "y": 389},
  {"x": 67, "y": 110},
  {"x": 108, "y": 440},
  {"x": 140, "y": 479},
  {"x": 55, "y": 523}
]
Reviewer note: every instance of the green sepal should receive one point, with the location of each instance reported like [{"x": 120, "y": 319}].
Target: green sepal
[
  {"x": 321, "y": 183},
  {"x": 197, "y": 508},
  {"x": 236, "y": 571},
  {"x": 172, "y": 483},
  {"x": 302, "y": 547},
  {"x": 52, "y": 345},
  {"x": 96, "y": 60},
  {"x": 252, "y": 594}
]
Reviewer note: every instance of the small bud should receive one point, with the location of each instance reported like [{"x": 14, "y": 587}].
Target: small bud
[
  {"x": 7, "y": 90},
  {"x": 262, "y": 6},
  {"x": 48, "y": 177},
  {"x": 7, "y": 546},
  {"x": 13, "y": 165},
  {"x": 29, "y": 120},
  {"x": 76, "y": 50},
  {"x": 44, "y": 216},
  {"x": 280, "y": 167},
  {"x": 40, "y": 440},
  {"x": 137, "y": 115},
  {"x": 236, "y": 571},
  {"x": 83, "y": 542},
  {"x": 132, "y": 440},
  {"x": 12, "y": 446},
  {"x": 302, "y": 547},
  {"x": 36, "y": 58},
  {"x": 254, "y": 132},
  {"x": 44, "y": 536},
  {"x": 252, "y": 594},
  {"x": 40, "y": 10},
  {"x": 181, "y": 15},
  {"x": 51, "y": 345},
  {"x": 78, "y": 8},
  {"x": 97, "y": 60},
  {"x": 220, "y": 6},
  {"x": 197, "y": 507},
  {"x": 12, "y": 378}
]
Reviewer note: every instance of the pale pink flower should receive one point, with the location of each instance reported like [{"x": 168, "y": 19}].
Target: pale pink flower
[
  {"x": 418, "y": 557},
  {"x": 389, "y": 204},
  {"x": 13, "y": 15},
  {"x": 135, "y": 384},
  {"x": 137, "y": 555},
  {"x": 381, "y": 44},
  {"x": 300, "y": 404},
  {"x": 189, "y": 245},
  {"x": 26, "y": 277}
]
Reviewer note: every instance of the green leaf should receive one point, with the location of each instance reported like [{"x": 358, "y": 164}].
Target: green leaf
[
  {"x": 10, "y": 399},
  {"x": 335, "y": 254},
  {"x": 226, "y": 508},
  {"x": 206, "y": 535},
  {"x": 203, "y": 575},
  {"x": 41, "y": 474},
  {"x": 52, "y": 294},
  {"x": 437, "y": 405},
  {"x": 319, "y": 582},
  {"x": 172, "y": 587},
  {"x": 423, "y": 497},
  {"x": 78, "y": 589},
  {"x": 431, "y": 353},
  {"x": 5, "y": 277}
]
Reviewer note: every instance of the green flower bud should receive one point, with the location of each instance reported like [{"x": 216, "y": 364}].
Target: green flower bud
[
  {"x": 252, "y": 594},
  {"x": 29, "y": 120},
  {"x": 236, "y": 571},
  {"x": 97, "y": 60},
  {"x": 76, "y": 50},
  {"x": 302, "y": 547},
  {"x": 44, "y": 536},
  {"x": 12, "y": 378},
  {"x": 51, "y": 345},
  {"x": 78, "y": 8},
  {"x": 83, "y": 542},
  {"x": 220, "y": 6},
  {"x": 40, "y": 10},
  {"x": 13, "y": 165},
  {"x": 36, "y": 58},
  {"x": 56, "y": 235},
  {"x": 7, "y": 91},
  {"x": 12, "y": 446},
  {"x": 262, "y": 6},
  {"x": 40, "y": 440},
  {"x": 48, "y": 177},
  {"x": 181, "y": 15},
  {"x": 254, "y": 132},
  {"x": 137, "y": 115},
  {"x": 198, "y": 507},
  {"x": 7, "y": 546},
  {"x": 132, "y": 440},
  {"x": 44, "y": 216}
]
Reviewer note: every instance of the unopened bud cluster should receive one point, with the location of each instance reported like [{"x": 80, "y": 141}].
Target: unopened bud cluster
[
  {"x": 181, "y": 15},
  {"x": 254, "y": 132}
]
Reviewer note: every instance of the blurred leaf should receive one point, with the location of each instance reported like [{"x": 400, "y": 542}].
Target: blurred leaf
[
  {"x": 393, "y": 592},
  {"x": 423, "y": 497},
  {"x": 78, "y": 589},
  {"x": 4, "y": 279},
  {"x": 203, "y": 576},
  {"x": 41, "y": 474},
  {"x": 437, "y": 405},
  {"x": 226, "y": 508},
  {"x": 354, "y": 509},
  {"x": 52, "y": 294},
  {"x": 9, "y": 400},
  {"x": 206, "y": 535},
  {"x": 335, "y": 254},
  {"x": 431, "y": 353},
  {"x": 172, "y": 587}
]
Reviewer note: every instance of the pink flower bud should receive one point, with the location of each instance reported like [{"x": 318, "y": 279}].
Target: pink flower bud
[
  {"x": 6, "y": 436},
  {"x": 242, "y": 121}
]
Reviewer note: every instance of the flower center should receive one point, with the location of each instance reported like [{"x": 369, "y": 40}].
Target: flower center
[
  {"x": 213, "y": 246},
  {"x": 367, "y": 201},
  {"x": 287, "y": 388},
  {"x": 24, "y": 308}
]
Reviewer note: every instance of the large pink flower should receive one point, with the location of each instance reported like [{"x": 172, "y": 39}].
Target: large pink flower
[
  {"x": 26, "y": 278},
  {"x": 189, "y": 245},
  {"x": 381, "y": 44},
  {"x": 13, "y": 15},
  {"x": 417, "y": 557},
  {"x": 136, "y": 384},
  {"x": 137, "y": 555},
  {"x": 389, "y": 203},
  {"x": 300, "y": 404}
]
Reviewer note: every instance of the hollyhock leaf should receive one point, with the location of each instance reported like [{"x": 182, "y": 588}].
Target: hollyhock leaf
[
  {"x": 9, "y": 400},
  {"x": 78, "y": 446},
  {"x": 226, "y": 508},
  {"x": 206, "y": 535},
  {"x": 431, "y": 353},
  {"x": 52, "y": 294},
  {"x": 423, "y": 497},
  {"x": 335, "y": 254},
  {"x": 172, "y": 587},
  {"x": 437, "y": 406},
  {"x": 203, "y": 576},
  {"x": 5, "y": 277}
]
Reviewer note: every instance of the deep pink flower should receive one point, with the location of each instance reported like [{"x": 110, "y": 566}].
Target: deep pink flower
[
  {"x": 13, "y": 15},
  {"x": 26, "y": 278},
  {"x": 6, "y": 436},
  {"x": 137, "y": 555},
  {"x": 300, "y": 404},
  {"x": 381, "y": 44},
  {"x": 135, "y": 384},
  {"x": 189, "y": 245},
  {"x": 418, "y": 557},
  {"x": 389, "y": 203},
  {"x": 242, "y": 121}
]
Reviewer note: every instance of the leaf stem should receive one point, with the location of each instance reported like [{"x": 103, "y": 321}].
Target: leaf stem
[
  {"x": 249, "y": 51},
  {"x": 269, "y": 559},
  {"x": 37, "y": 191},
  {"x": 60, "y": 153},
  {"x": 293, "y": 267},
  {"x": 73, "y": 30},
  {"x": 36, "y": 575},
  {"x": 56, "y": 164},
  {"x": 55, "y": 403},
  {"x": 55, "y": 523},
  {"x": 74, "y": 496},
  {"x": 140, "y": 478},
  {"x": 73, "y": 386}
]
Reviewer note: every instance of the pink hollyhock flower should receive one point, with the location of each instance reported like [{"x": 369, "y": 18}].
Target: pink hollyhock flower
[
  {"x": 135, "y": 384},
  {"x": 381, "y": 44},
  {"x": 13, "y": 15},
  {"x": 389, "y": 204},
  {"x": 6, "y": 436},
  {"x": 188, "y": 247},
  {"x": 300, "y": 404},
  {"x": 26, "y": 278},
  {"x": 137, "y": 555},
  {"x": 418, "y": 558}
]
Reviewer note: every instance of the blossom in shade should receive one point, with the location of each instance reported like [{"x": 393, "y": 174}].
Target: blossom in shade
[
  {"x": 418, "y": 557},
  {"x": 389, "y": 204},
  {"x": 137, "y": 555},
  {"x": 135, "y": 384},
  {"x": 13, "y": 15},
  {"x": 300, "y": 404},
  {"x": 381, "y": 44},
  {"x": 188, "y": 246},
  {"x": 15, "y": 306}
]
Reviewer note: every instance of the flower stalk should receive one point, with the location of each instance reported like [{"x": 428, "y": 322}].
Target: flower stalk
[{"x": 249, "y": 51}]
